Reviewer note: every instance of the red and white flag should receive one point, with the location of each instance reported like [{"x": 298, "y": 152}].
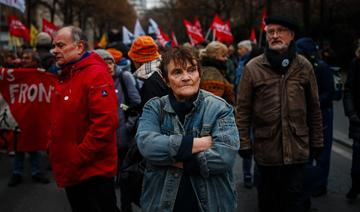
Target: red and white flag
[
  {"x": 18, "y": 29},
  {"x": 222, "y": 30},
  {"x": 25, "y": 106},
  {"x": 49, "y": 27},
  {"x": 194, "y": 31},
  {"x": 162, "y": 38},
  {"x": 174, "y": 40}
]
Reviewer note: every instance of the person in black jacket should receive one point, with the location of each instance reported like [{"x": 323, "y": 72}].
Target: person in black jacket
[
  {"x": 146, "y": 58},
  {"x": 316, "y": 178},
  {"x": 43, "y": 46},
  {"x": 144, "y": 53},
  {"x": 351, "y": 102}
]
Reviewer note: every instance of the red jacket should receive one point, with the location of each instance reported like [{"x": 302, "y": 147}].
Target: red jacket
[{"x": 82, "y": 137}]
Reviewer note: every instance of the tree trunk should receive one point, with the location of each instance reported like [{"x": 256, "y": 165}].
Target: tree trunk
[
  {"x": 52, "y": 11},
  {"x": 306, "y": 15}
]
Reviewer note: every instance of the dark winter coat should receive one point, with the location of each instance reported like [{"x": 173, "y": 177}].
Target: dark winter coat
[
  {"x": 151, "y": 82},
  {"x": 351, "y": 99},
  {"x": 282, "y": 109}
]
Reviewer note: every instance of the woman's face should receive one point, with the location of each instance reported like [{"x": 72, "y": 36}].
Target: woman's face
[{"x": 183, "y": 81}]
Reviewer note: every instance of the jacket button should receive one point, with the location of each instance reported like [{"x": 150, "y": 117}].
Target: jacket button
[{"x": 60, "y": 81}]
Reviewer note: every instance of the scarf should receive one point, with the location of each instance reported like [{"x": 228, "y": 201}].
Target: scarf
[
  {"x": 182, "y": 108},
  {"x": 281, "y": 61},
  {"x": 147, "y": 69}
]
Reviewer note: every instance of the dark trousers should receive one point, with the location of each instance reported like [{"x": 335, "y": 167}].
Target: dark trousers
[
  {"x": 316, "y": 175},
  {"x": 355, "y": 166},
  {"x": 279, "y": 188},
  {"x": 96, "y": 194}
]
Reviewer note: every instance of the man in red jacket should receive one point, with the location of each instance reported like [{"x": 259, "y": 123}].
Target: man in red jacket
[{"x": 82, "y": 147}]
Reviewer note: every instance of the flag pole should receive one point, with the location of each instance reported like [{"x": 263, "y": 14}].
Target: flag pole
[
  {"x": 0, "y": 25},
  {"x": 191, "y": 40},
  {"x": 260, "y": 39},
  {"x": 207, "y": 34}
]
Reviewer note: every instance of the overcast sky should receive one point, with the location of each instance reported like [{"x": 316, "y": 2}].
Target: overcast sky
[{"x": 151, "y": 3}]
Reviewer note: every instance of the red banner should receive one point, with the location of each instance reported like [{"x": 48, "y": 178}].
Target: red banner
[
  {"x": 49, "y": 27},
  {"x": 18, "y": 29},
  {"x": 222, "y": 30},
  {"x": 253, "y": 35},
  {"x": 194, "y": 31},
  {"x": 25, "y": 106}
]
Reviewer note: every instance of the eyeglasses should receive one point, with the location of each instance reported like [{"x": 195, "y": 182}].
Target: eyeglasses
[{"x": 279, "y": 31}]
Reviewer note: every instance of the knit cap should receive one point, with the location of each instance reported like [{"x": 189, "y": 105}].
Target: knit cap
[
  {"x": 144, "y": 49},
  {"x": 104, "y": 54},
  {"x": 117, "y": 55}
]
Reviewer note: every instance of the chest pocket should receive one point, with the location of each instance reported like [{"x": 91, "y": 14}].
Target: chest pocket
[{"x": 297, "y": 88}]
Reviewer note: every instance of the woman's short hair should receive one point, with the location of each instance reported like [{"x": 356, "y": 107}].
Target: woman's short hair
[
  {"x": 180, "y": 55},
  {"x": 215, "y": 49}
]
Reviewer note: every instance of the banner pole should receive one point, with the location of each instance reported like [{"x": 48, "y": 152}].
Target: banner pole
[
  {"x": 191, "y": 40},
  {"x": 260, "y": 39},
  {"x": 207, "y": 34},
  {"x": 0, "y": 25}
]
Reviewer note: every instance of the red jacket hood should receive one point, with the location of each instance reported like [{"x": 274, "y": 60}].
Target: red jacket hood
[{"x": 89, "y": 58}]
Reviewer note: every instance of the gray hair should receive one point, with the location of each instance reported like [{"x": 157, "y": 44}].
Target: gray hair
[
  {"x": 77, "y": 35},
  {"x": 246, "y": 44}
]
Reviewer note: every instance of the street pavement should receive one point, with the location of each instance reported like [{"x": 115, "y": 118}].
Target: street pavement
[{"x": 32, "y": 197}]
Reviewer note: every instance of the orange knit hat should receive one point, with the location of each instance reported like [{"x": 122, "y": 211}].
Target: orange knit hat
[
  {"x": 143, "y": 49},
  {"x": 117, "y": 55}
]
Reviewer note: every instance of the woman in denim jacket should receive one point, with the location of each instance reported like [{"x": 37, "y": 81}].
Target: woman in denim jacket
[{"x": 190, "y": 141}]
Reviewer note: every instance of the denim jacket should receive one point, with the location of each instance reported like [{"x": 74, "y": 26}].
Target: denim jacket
[{"x": 159, "y": 137}]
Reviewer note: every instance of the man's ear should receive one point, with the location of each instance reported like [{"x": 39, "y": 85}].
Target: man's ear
[{"x": 81, "y": 47}]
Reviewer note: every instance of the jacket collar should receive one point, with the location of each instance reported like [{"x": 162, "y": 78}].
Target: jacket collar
[
  {"x": 167, "y": 105},
  {"x": 79, "y": 64},
  {"x": 295, "y": 63}
]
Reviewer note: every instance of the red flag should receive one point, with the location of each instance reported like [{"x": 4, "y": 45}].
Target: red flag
[
  {"x": 49, "y": 27},
  {"x": 25, "y": 106},
  {"x": 222, "y": 30},
  {"x": 263, "y": 16},
  {"x": 194, "y": 31},
  {"x": 253, "y": 35},
  {"x": 18, "y": 29},
  {"x": 174, "y": 40},
  {"x": 162, "y": 38}
]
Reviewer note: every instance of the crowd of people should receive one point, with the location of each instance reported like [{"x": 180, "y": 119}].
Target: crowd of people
[{"x": 166, "y": 124}]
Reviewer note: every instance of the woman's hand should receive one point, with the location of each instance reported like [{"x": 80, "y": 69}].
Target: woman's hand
[{"x": 202, "y": 144}]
